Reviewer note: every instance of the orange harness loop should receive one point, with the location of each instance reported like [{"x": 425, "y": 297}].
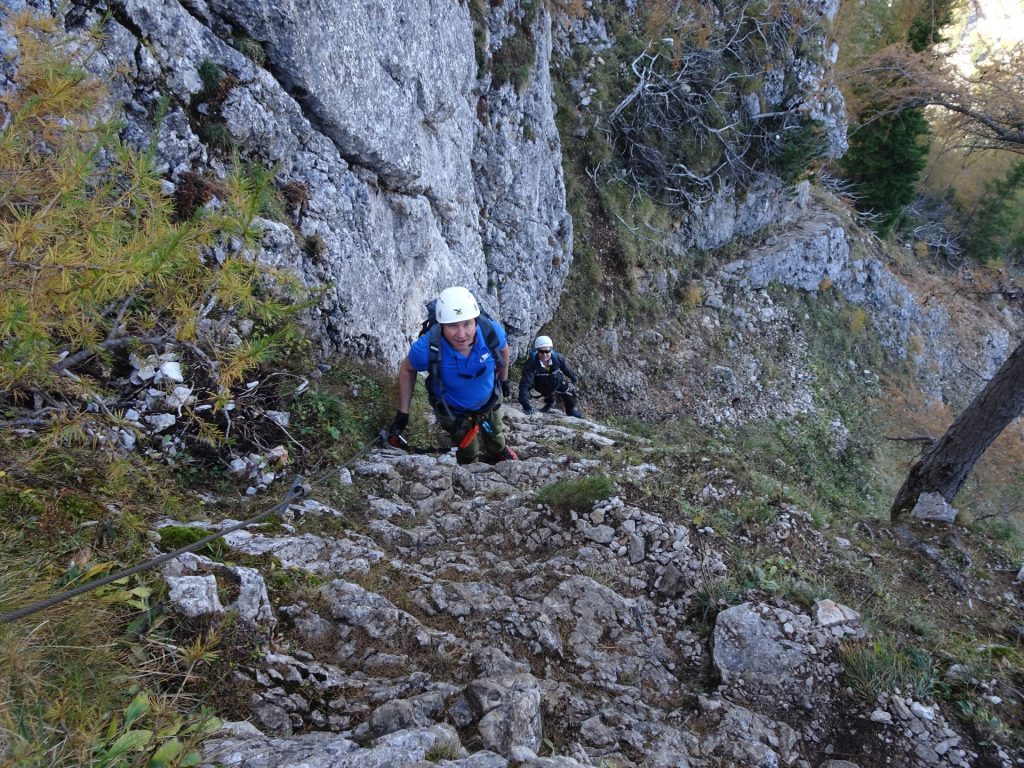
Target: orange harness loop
[{"x": 470, "y": 434}]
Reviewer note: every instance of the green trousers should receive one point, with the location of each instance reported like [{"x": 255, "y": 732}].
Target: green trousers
[{"x": 491, "y": 433}]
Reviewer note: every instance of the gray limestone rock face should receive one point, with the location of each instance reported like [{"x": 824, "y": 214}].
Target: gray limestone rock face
[
  {"x": 388, "y": 83},
  {"x": 525, "y": 228},
  {"x": 417, "y": 171},
  {"x": 816, "y": 252},
  {"x": 728, "y": 215}
]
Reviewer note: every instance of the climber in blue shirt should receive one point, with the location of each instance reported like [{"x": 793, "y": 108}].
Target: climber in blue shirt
[{"x": 466, "y": 357}]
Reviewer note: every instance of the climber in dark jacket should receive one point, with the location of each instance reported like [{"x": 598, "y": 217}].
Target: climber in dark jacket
[{"x": 550, "y": 374}]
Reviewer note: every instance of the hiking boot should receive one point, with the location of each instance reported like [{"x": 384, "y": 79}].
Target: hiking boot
[
  {"x": 547, "y": 408},
  {"x": 507, "y": 454},
  {"x": 575, "y": 414}
]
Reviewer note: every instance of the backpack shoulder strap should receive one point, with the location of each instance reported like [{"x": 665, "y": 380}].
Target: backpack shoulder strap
[
  {"x": 490, "y": 336},
  {"x": 434, "y": 343},
  {"x": 435, "y": 384},
  {"x": 486, "y": 325},
  {"x": 565, "y": 367}
]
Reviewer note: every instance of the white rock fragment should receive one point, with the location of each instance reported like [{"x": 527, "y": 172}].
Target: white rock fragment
[
  {"x": 931, "y": 506},
  {"x": 923, "y": 711},
  {"x": 194, "y": 596},
  {"x": 281, "y": 418},
  {"x": 829, "y": 613},
  {"x": 171, "y": 371},
  {"x": 161, "y": 421}
]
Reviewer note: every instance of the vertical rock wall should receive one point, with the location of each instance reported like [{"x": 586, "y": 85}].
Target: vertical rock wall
[{"x": 415, "y": 170}]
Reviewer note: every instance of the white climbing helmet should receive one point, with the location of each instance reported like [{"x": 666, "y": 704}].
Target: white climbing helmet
[
  {"x": 543, "y": 342},
  {"x": 456, "y": 304}
]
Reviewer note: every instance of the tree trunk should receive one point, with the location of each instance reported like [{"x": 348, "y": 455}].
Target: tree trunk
[{"x": 947, "y": 463}]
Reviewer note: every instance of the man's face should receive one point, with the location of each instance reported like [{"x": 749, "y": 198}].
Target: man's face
[{"x": 460, "y": 335}]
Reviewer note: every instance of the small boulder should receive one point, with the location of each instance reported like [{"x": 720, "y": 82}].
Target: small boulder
[{"x": 931, "y": 506}]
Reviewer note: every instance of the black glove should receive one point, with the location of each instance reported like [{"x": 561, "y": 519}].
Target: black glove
[
  {"x": 506, "y": 388},
  {"x": 399, "y": 423},
  {"x": 527, "y": 409}
]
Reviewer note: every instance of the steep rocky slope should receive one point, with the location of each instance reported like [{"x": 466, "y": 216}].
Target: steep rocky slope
[
  {"x": 448, "y": 616},
  {"x": 419, "y": 611},
  {"x": 737, "y": 349}
]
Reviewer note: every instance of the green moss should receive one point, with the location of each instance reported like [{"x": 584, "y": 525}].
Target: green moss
[
  {"x": 174, "y": 537},
  {"x": 20, "y": 503},
  {"x": 78, "y": 508}
]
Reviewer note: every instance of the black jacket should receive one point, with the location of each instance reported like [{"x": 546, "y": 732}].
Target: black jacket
[{"x": 545, "y": 380}]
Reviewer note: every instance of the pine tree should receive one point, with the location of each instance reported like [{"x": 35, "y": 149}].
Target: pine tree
[
  {"x": 996, "y": 231},
  {"x": 886, "y": 157}
]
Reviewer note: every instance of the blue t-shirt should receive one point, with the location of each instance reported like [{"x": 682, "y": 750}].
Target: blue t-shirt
[{"x": 468, "y": 380}]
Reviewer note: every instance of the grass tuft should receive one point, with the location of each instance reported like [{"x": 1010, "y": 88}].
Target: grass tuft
[
  {"x": 577, "y": 495},
  {"x": 880, "y": 667}
]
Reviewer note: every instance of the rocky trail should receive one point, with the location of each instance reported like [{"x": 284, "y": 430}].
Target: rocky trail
[{"x": 449, "y": 618}]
